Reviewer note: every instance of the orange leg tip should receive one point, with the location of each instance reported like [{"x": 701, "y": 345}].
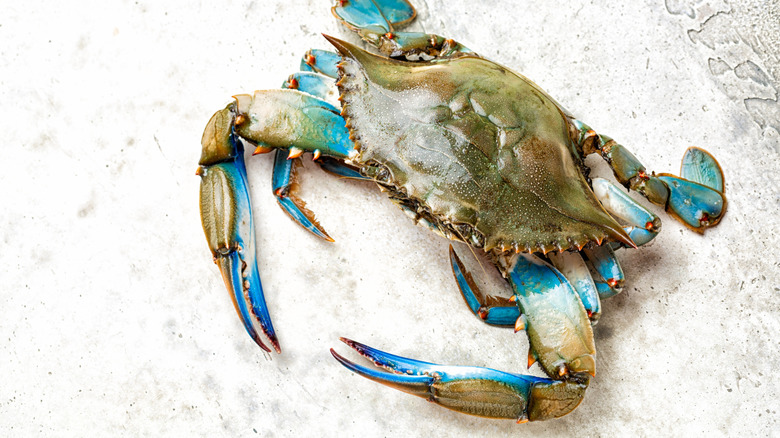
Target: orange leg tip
[
  {"x": 262, "y": 150},
  {"x": 519, "y": 324},
  {"x": 531, "y": 359},
  {"x": 294, "y": 153}
]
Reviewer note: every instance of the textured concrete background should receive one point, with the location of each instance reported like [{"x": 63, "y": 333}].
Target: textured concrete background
[{"x": 115, "y": 321}]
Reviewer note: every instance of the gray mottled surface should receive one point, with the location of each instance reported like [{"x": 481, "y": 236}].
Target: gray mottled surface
[{"x": 115, "y": 321}]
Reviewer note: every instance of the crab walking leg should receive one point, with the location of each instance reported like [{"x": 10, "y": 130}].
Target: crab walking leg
[
  {"x": 546, "y": 306},
  {"x": 321, "y": 61},
  {"x": 606, "y": 264},
  {"x": 286, "y": 161},
  {"x": 643, "y": 224},
  {"x": 573, "y": 267},
  {"x": 499, "y": 311},
  {"x": 295, "y": 207},
  {"x": 697, "y": 205},
  {"x": 337, "y": 168},
  {"x": 375, "y": 20},
  {"x": 472, "y": 390},
  {"x": 316, "y": 84},
  {"x": 559, "y": 331},
  {"x": 227, "y": 222}
]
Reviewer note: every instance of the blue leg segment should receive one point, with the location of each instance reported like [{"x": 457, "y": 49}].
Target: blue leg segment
[
  {"x": 321, "y": 61},
  {"x": 376, "y": 21},
  {"x": 558, "y": 328},
  {"x": 643, "y": 224},
  {"x": 697, "y": 198},
  {"x": 282, "y": 184},
  {"x": 477, "y": 391},
  {"x": 340, "y": 169},
  {"x": 493, "y": 310},
  {"x": 573, "y": 267},
  {"x": 316, "y": 84},
  {"x": 701, "y": 167},
  {"x": 699, "y": 203},
  {"x": 380, "y": 16},
  {"x": 696, "y": 205},
  {"x": 227, "y": 222},
  {"x": 292, "y": 119},
  {"x": 605, "y": 290},
  {"x": 606, "y": 264}
]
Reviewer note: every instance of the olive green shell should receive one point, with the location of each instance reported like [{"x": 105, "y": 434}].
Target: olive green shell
[{"x": 477, "y": 150}]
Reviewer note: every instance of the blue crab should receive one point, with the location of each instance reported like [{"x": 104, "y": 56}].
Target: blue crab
[{"x": 475, "y": 152}]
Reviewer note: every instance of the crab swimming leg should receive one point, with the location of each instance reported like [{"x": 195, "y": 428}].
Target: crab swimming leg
[
  {"x": 695, "y": 203},
  {"x": 375, "y": 21},
  {"x": 268, "y": 119}
]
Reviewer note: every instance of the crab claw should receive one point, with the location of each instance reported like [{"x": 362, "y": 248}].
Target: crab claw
[
  {"x": 227, "y": 222},
  {"x": 472, "y": 390}
]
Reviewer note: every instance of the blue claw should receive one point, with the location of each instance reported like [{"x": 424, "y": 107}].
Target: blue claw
[
  {"x": 474, "y": 390},
  {"x": 492, "y": 310},
  {"x": 321, "y": 61},
  {"x": 700, "y": 166},
  {"x": 226, "y": 216},
  {"x": 697, "y": 205},
  {"x": 283, "y": 179},
  {"x": 253, "y": 309}
]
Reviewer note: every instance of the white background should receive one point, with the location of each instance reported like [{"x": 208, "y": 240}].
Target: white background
[{"x": 114, "y": 321}]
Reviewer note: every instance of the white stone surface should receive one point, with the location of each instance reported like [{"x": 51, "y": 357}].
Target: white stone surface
[{"x": 114, "y": 321}]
